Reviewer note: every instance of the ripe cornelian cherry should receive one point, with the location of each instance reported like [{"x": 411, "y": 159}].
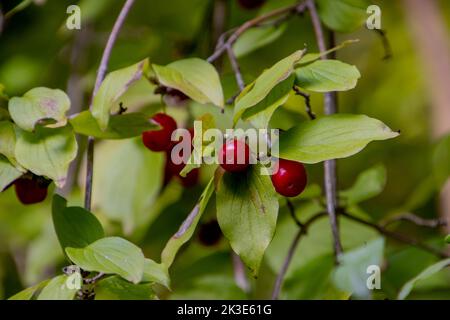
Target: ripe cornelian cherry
[
  {"x": 209, "y": 233},
  {"x": 290, "y": 179},
  {"x": 31, "y": 190},
  {"x": 234, "y": 156},
  {"x": 160, "y": 140},
  {"x": 251, "y": 4}
]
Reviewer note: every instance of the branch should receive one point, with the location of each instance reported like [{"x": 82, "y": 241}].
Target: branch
[
  {"x": 220, "y": 49},
  {"x": 386, "y": 44},
  {"x": 430, "y": 223},
  {"x": 307, "y": 99},
  {"x": 236, "y": 68},
  {"x": 98, "y": 81},
  {"x": 330, "y": 106},
  {"x": 397, "y": 236},
  {"x": 301, "y": 232}
]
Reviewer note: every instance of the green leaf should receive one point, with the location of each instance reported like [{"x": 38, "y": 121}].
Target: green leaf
[
  {"x": 57, "y": 289},
  {"x": 343, "y": 15},
  {"x": 447, "y": 238},
  {"x": 115, "y": 288},
  {"x": 261, "y": 87},
  {"x": 30, "y": 293},
  {"x": 112, "y": 255},
  {"x": 247, "y": 209},
  {"x": 256, "y": 38},
  {"x": 351, "y": 274},
  {"x": 259, "y": 115},
  {"x": 187, "y": 228},
  {"x": 431, "y": 270},
  {"x": 194, "y": 77},
  {"x": 112, "y": 88},
  {"x": 37, "y": 105},
  {"x": 311, "y": 57},
  {"x": 122, "y": 126},
  {"x": 156, "y": 273},
  {"x": 327, "y": 75},
  {"x": 331, "y": 137},
  {"x": 74, "y": 226},
  {"x": 127, "y": 181},
  {"x": 47, "y": 152},
  {"x": 8, "y": 173},
  {"x": 441, "y": 161},
  {"x": 7, "y": 140},
  {"x": 369, "y": 184}
]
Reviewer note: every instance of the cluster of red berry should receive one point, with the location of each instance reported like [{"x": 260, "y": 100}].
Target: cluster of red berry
[{"x": 289, "y": 180}]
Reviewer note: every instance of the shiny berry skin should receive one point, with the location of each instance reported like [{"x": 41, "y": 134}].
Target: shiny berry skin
[
  {"x": 251, "y": 4},
  {"x": 30, "y": 191},
  {"x": 234, "y": 156},
  {"x": 290, "y": 179},
  {"x": 160, "y": 140},
  {"x": 209, "y": 233}
]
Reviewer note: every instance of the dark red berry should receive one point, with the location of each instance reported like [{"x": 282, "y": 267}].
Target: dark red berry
[
  {"x": 160, "y": 140},
  {"x": 251, "y": 4},
  {"x": 31, "y": 190},
  {"x": 191, "y": 178},
  {"x": 290, "y": 179},
  {"x": 209, "y": 233},
  {"x": 234, "y": 156}
]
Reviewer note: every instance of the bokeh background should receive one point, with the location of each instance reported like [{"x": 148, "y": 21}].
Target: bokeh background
[{"x": 409, "y": 92}]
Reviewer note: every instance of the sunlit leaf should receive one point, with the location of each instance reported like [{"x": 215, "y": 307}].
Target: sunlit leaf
[
  {"x": 8, "y": 173},
  {"x": 37, "y": 105},
  {"x": 156, "y": 273},
  {"x": 331, "y": 137},
  {"x": 112, "y": 88},
  {"x": 57, "y": 289},
  {"x": 256, "y": 38},
  {"x": 112, "y": 255},
  {"x": 30, "y": 293},
  {"x": 7, "y": 140}
]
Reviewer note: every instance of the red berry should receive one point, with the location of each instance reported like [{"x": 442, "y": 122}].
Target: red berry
[
  {"x": 290, "y": 179},
  {"x": 234, "y": 156},
  {"x": 30, "y": 191},
  {"x": 251, "y": 4},
  {"x": 160, "y": 140},
  {"x": 209, "y": 233},
  {"x": 191, "y": 178}
]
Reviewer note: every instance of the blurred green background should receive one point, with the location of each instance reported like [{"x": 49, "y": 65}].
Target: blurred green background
[{"x": 37, "y": 50}]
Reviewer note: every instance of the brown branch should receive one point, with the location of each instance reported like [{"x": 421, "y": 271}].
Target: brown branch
[
  {"x": 429, "y": 223},
  {"x": 293, "y": 9},
  {"x": 396, "y": 236},
  {"x": 291, "y": 209},
  {"x": 98, "y": 81},
  {"x": 236, "y": 68},
  {"x": 330, "y": 106},
  {"x": 301, "y": 232},
  {"x": 386, "y": 43},
  {"x": 307, "y": 99}
]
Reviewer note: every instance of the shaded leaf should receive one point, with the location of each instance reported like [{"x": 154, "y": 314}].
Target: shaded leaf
[
  {"x": 431, "y": 270},
  {"x": 187, "y": 228},
  {"x": 74, "y": 226},
  {"x": 331, "y": 137},
  {"x": 247, "y": 209},
  {"x": 255, "y": 38},
  {"x": 261, "y": 87},
  {"x": 7, "y": 140},
  {"x": 116, "y": 288},
  {"x": 327, "y": 75},
  {"x": 112, "y": 88},
  {"x": 122, "y": 126},
  {"x": 47, "y": 152},
  {"x": 57, "y": 289},
  {"x": 368, "y": 184},
  {"x": 37, "y": 105},
  {"x": 111, "y": 255},
  {"x": 8, "y": 173},
  {"x": 343, "y": 15},
  {"x": 195, "y": 77}
]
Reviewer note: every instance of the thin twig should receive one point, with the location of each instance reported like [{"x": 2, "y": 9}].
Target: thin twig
[
  {"x": 94, "y": 279},
  {"x": 386, "y": 44},
  {"x": 397, "y": 236},
  {"x": 236, "y": 68},
  {"x": 291, "y": 209},
  {"x": 100, "y": 76},
  {"x": 307, "y": 99},
  {"x": 330, "y": 106},
  {"x": 429, "y": 223},
  {"x": 301, "y": 232},
  {"x": 293, "y": 9}
]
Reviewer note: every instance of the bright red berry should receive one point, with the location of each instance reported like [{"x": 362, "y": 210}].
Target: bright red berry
[
  {"x": 234, "y": 156},
  {"x": 31, "y": 190},
  {"x": 290, "y": 179},
  {"x": 251, "y": 4},
  {"x": 160, "y": 140}
]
